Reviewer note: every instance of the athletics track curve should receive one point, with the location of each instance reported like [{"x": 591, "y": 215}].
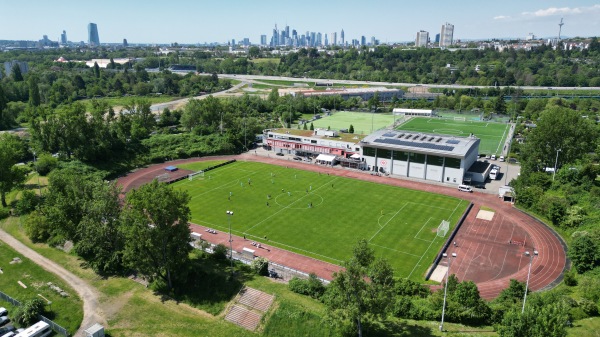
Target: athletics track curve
[{"x": 489, "y": 253}]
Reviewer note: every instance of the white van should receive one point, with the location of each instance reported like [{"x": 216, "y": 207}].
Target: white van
[
  {"x": 501, "y": 158},
  {"x": 465, "y": 188},
  {"x": 494, "y": 174},
  {"x": 493, "y": 157}
]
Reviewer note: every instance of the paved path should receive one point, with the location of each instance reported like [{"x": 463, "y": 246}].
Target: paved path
[{"x": 87, "y": 293}]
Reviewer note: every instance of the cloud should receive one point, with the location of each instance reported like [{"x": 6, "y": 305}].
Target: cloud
[
  {"x": 501, "y": 17},
  {"x": 553, "y": 11}
]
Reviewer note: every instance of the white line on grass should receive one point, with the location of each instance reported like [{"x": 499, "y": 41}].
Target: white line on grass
[
  {"x": 425, "y": 224},
  {"x": 222, "y": 186},
  {"x": 286, "y": 207},
  {"x": 374, "y": 235},
  {"x": 394, "y": 250},
  {"x": 422, "y": 256}
]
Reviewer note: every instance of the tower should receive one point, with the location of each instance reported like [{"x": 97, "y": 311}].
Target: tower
[
  {"x": 93, "y": 39},
  {"x": 422, "y": 38},
  {"x": 560, "y": 28},
  {"x": 343, "y": 41},
  {"x": 446, "y": 35},
  {"x": 63, "y": 38}
]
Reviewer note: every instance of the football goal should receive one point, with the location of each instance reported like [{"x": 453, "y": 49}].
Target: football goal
[
  {"x": 192, "y": 175},
  {"x": 462, "y": 119},
  {"x": 443, "y": 228}
]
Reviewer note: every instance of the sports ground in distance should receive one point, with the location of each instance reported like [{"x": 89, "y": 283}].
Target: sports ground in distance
[
  {"x": 489, "y": 251},
  {"x": 493, "y": 135}
]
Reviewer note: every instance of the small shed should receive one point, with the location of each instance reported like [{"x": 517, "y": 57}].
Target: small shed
[
  {"x": 196, "y": 236},
  {"x": 95, "y": 330},
  {"x": 326, "y": 159},
  {"x": 507, "y": 193},
  {"x": 171, "y": 168}
]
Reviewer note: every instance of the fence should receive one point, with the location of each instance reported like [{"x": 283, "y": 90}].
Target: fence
[{"x": 59, "y": 329}]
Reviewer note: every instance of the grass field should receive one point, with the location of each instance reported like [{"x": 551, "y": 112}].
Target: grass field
[
  {"x": 363, "y": 122},
  {"x": 492, "y": 135},
  {"x": 323, "y": 216},
  {"x": 66, "y": 311}
]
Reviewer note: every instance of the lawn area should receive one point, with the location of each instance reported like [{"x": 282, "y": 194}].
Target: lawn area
[
  {"x": 363, "y": 122},
  {"x": 65, "y": 311},
  {"x": 492, "y": 135},
  {"x": 323, "y": 216},
  {"x": 266, "y": 60}
]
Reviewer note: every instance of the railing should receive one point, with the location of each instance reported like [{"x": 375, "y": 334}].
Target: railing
[{"x": 59, "y": 329}]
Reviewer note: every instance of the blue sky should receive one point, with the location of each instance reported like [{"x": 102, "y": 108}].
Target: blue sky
[{"x": 198, "y": 21}]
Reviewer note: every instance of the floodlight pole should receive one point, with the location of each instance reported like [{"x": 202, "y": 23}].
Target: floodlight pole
[
  {"x": 535, "y": 253},
  {"x": 446, "y": 288},
  {"x": 229, "y": 215},
  {"x": 555, "y": 164}
]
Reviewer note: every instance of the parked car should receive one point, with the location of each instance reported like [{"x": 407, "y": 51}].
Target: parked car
[
  {"x": 4, "y": 320},
  {"x": 501, "y": 158},
  {"x": 6, "y": 329},
  {"x": 298, "y": 158},
  {"x": 279, "y": 154},
  {"x": 3, "y": 311},
  {"x": 493, "y": 157},
  {"x": 9, "y": 334}
]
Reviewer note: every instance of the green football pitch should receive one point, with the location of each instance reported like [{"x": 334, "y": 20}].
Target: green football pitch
[
  {"x": 363, "y": 122},
  {"x": 323, "y": 216},
  {"x": 492, "y": 135}
]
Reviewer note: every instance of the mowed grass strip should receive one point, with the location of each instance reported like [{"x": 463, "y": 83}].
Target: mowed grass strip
[
  {"x": 66, "y": 311},
  {"x": 323, "y": 216},
  {"x": 492, "y": 135},
  {"x": 363, "y": 122},
  {"x": 200, "y": 165}
]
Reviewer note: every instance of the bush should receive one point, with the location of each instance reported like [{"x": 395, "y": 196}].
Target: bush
[
  {"x": 4, "y": 213},
  {"x": 588, "y": 307},
  {"x": 27, "y": 203},
  {"x": 260, "y": 266},
  {"x": 45, "y": 163},
  {"x": 570, "y": 278},
  {"x": 220, "y": 252},
  {"x": 28, "y": 312},
  {"x": 312, "y": 286}
]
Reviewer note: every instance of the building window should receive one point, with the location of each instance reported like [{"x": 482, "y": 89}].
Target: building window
[
  {"x": 417, "y": 158},
  {"x": 400, "y": 155},
  {"x": 453, "y": 163},
  {"x": 368, "y": 152},
  {"x": 435, "y": 160},
  {"x": 382, "y": 153}
]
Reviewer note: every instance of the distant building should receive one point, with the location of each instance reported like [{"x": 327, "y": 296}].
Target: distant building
[
  {"x": 343, "y": 41},
  {"x": 422, "y": 39},
  {"x": 363, "y": 41},
  {"x": 63, "y": 38},
  {"x": 93, "y": 38},
  {"x": 437, "y": 39},
  {"x": 333, "y": 39},
  {"x": 125, "y": 44},
  {"x": 8, "y": 66},
  {"x": 263, "y": 40},
  {"x": 447, "y": 35}
]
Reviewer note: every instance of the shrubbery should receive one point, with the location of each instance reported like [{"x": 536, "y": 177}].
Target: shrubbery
[{"x": 312, "y": 286}]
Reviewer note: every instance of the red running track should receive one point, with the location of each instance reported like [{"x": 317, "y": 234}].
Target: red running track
[{"x": 484, "y": 254}]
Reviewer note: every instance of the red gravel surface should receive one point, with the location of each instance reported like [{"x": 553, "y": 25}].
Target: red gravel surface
[{"x": 484, "y": 254}]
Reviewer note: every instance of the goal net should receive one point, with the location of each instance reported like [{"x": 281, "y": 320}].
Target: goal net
[
  {"x": 192, "y": 175},
  {"x": 462, "y": 119},
  {"x": 443, "y": 228}
]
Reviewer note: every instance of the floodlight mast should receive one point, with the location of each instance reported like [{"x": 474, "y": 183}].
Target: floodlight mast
[
  {"x": 229, "y": 215},
  {"x": 446, "y": 288}
]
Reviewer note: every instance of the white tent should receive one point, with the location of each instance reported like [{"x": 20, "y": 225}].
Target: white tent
[
  {"x": 355, "y": 156},
  {"x": 326, "y": 158}
]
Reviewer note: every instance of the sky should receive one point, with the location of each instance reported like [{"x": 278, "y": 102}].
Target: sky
[{"x": 200, "y": 21}]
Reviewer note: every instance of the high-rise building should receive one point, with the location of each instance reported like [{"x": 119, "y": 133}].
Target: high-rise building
[
  {"x": 93, "y": 38},
  {"x": 422, "y": 39},
  {"x": 326, "y": 41},
  {"x": 263, "y": 40},
  {"x": 363, "y": 40},
  {"x": 63, "y": 38},
  {"x": 342, "y": 42},
  {"x": 447, "y": 35},
  {"x": 125, "y": 44},
  {"x": 437, "y": 39},
  {"x": 333, "y": 39}
]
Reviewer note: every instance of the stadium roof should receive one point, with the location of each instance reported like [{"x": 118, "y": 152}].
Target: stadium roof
[{"x": 419, "y": 142}]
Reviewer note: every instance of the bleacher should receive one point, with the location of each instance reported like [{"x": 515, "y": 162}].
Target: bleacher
[{"x": 249, "y": 307}]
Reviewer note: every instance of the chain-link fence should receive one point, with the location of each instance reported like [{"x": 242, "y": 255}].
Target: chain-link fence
[{"x": 59, "y": 329}]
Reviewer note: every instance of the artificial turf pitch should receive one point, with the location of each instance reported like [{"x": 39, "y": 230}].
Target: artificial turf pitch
[
  {"x": 363, "y": 122},
  {"x": 493, "y": 135},
  {"x": 323, "y": 216}
]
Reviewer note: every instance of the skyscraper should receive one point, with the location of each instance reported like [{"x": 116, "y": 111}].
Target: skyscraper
[
  {"x": 63, "y": 38},
  {"x": 93, "y": 39},
  {"x": 342, "y": 42},
  {"x": 447, "y": 35},
  {"x": 422, "y": 39},
  {"x": 263, "y": 40},
  {"x": 333, "y": 39}
]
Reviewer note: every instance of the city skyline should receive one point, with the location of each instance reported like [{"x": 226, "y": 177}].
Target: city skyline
[{"x": 206, "y": 22}]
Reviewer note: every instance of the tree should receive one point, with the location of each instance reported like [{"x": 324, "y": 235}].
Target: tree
[
  {"x": 45, "y": 163},
  {"x": 16, "y": 73},
  {"x": 11, "y": 176},
  {"x": 28, "y": 312},
  {"x": 253, "y": 51},
  {"x": 351, "y": 129},
  {"x": 549, "y": 320},
  {"x": 34, "y": 92},
  {"x": 96, "y": 70},
  {"x": 363, "y": 290},
  {"x": 157, "y": 236},
  {"x": 312, "y": 127},
  {"x": 584, "y": 253},
  {"x": 500, "y": 105}
]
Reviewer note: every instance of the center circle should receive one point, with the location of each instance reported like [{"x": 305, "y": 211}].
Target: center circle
[{"x": 285, "y": 200}]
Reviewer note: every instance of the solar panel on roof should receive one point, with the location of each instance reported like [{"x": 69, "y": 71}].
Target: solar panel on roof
[
  {"x": 453, "y": 141},
  {"x": 389, "y": 134},
  {"x": 399, "y": 142}
]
